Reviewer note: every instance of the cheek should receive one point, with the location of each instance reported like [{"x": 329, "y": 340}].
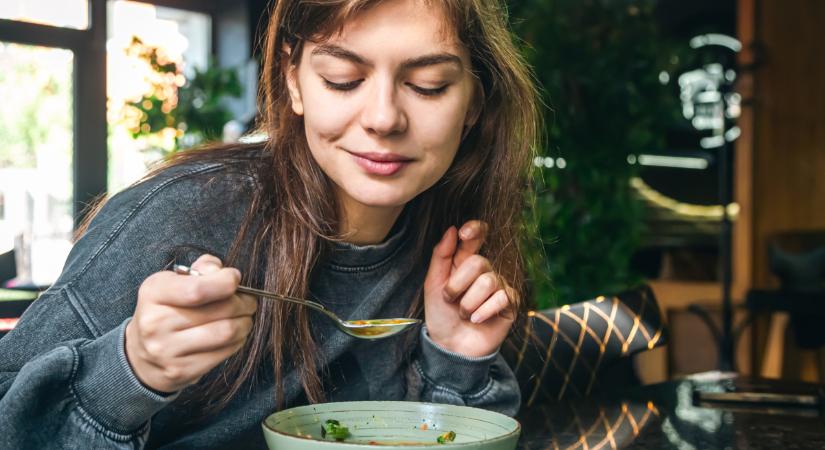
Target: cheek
[
  {"x": 439, "y": 132},
  {"x": 325, "y": 115},
  {"x": 324, "y": 118}
]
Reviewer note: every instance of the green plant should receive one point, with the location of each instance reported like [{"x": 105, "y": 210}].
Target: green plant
[
  {"x": 192, "y": 111},
  {"x": 599, "y": 64}
]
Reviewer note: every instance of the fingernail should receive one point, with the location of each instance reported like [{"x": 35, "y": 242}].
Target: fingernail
[
  {"x": 475, "y": 318},
  {"x": 468, "y": 232}
]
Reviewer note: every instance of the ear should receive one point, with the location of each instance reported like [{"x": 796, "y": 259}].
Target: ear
[
  {"x": 293, "y": 87},
  {"x": 294, "y": 90}
]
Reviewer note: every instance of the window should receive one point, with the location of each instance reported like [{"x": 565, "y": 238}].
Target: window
[
  {"x": 53, "y": 159},
  {"x": 179, "y": 37},
  {"x": 56, "y": 158},
  {"x": 36, "y": 158},
  {"x": 60, "y": 13}
]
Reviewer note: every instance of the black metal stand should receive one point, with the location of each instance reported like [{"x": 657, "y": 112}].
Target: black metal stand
[
  {"x": 726, "y": 341},
  {"x": 725, "y": 337},
  {"x": 712, "y": 99}
]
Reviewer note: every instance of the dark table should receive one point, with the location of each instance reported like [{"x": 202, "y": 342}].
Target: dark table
[{"x": 665, "y": 416}]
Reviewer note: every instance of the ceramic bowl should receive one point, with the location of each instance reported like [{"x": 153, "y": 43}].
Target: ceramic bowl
[{"x": 398, "y": 424}]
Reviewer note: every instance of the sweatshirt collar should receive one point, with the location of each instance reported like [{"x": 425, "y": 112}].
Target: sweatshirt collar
[{"x": 348, "y": 257}]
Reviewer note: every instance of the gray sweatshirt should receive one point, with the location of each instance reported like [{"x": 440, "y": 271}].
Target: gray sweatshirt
[{"x": 65, "y": 381}]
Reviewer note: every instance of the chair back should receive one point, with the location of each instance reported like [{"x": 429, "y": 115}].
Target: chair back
[
  {"x": 8, "y": 267},
  {"x": 561, "y": 352},
  {"x": 798, "y": 260}
]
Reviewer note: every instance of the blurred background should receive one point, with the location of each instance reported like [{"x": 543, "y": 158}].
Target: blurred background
[{"x": 685, "y": 147}]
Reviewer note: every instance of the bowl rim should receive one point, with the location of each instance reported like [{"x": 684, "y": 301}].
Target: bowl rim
[{"x": 516, "y": 431}]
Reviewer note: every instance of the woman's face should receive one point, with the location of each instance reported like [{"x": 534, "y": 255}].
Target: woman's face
[{"x": 384, "y": 102}]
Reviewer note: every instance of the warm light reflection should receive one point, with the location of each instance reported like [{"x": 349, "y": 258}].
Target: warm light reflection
[
  {"x": 712, "y": 213},
  {"x": 58, "y": 13},
  {"x": 588, "y": 425},
  {"x": 8, "y": 324},
  {"x": 131, "y": 77},
  {"x": 181, "y": 37}
]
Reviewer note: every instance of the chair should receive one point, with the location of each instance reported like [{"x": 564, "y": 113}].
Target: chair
[
  {"x": 797, "y": 259},
  {"x": 8, "y": 267},
  {"x": 565, "y": 352},
  {"x": 801, "y": 272}
]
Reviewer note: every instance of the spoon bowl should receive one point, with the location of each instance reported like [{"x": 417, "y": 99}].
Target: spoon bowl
[
  {"x": 377, "y": 328},
  {"x": 362, "y": 329}
]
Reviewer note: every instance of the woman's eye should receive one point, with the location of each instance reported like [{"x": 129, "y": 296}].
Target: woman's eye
[
  {"x": 428, "y": 92},
  {"x": 348, "y": 86}
]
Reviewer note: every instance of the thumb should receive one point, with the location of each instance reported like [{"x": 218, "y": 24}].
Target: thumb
[{"x": 441, "y": 263}]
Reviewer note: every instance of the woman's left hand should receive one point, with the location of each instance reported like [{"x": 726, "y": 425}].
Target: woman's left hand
[{"x": 468, "y": 307}]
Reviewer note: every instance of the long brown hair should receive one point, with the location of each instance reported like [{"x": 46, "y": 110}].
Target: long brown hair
[{"x": 292, "y": 217}]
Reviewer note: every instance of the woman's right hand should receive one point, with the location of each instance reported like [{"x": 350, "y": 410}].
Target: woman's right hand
[{"x": 185, "y": 325}]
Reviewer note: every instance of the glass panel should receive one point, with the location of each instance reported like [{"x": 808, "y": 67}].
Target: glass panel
[
  {"x": 58, "y": 13},
  {"x": 137, "y": 33},
  {"x": 36, "y": 159}
]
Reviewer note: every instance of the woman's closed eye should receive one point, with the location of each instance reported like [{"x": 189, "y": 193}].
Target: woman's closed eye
[
  {"x": 350, "y": 85},
  {"x": 345, "y": 86},
  {"x": 428, "y": 92}
]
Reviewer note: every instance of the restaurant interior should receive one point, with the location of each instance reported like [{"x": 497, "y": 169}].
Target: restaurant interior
[{"x": 677, "y": 236}]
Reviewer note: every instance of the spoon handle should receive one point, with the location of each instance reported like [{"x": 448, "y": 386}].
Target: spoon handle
[
  {"x": 186, "y": 270},
  {"x": 299, "y": 301}
]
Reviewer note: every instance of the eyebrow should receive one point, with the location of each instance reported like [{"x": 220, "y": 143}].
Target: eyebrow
[{"x": 420, "y": 61}]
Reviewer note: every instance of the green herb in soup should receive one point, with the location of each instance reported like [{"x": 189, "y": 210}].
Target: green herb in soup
[
  {"x": 332, "y": 429},
  {"x": 446, "y": 437}
]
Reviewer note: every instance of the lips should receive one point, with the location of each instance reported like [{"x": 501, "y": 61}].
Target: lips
[{"x": 385, "y": 164}]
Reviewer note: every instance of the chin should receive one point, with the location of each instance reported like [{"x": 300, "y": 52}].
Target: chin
[{"x": 380, "y": 197}]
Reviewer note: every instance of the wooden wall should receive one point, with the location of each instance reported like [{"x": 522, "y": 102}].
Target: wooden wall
[{"x": 781, "y": 156}]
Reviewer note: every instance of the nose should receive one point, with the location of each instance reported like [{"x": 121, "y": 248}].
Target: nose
[{"x": 382, "y": 114}]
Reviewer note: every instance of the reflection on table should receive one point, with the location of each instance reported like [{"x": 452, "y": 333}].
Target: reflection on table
[
  {"x": 585, "y": 425},
  {"x": 666, "y": 416}
]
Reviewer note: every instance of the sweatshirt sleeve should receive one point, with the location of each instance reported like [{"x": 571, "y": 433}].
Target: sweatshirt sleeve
[
  {"x": 80, "y": 393},
  {"x": 441, "y": 376}
]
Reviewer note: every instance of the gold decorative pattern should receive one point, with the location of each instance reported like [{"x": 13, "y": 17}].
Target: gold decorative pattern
[
  {"x": 560, "y": 352},
  {"x": 610, "y": 426}
]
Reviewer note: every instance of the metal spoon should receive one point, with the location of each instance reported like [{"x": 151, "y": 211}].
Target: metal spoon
[{"x": 363, "y": 329}]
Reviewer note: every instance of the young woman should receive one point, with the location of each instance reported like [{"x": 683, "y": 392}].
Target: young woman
[{"x": 391, "y": 185}]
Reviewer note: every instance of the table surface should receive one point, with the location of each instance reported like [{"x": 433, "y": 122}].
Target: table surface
[{"x": 664, "y": 416}]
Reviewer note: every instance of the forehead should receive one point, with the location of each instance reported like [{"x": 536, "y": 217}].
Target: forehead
[{"x": 425, "y": 21}]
